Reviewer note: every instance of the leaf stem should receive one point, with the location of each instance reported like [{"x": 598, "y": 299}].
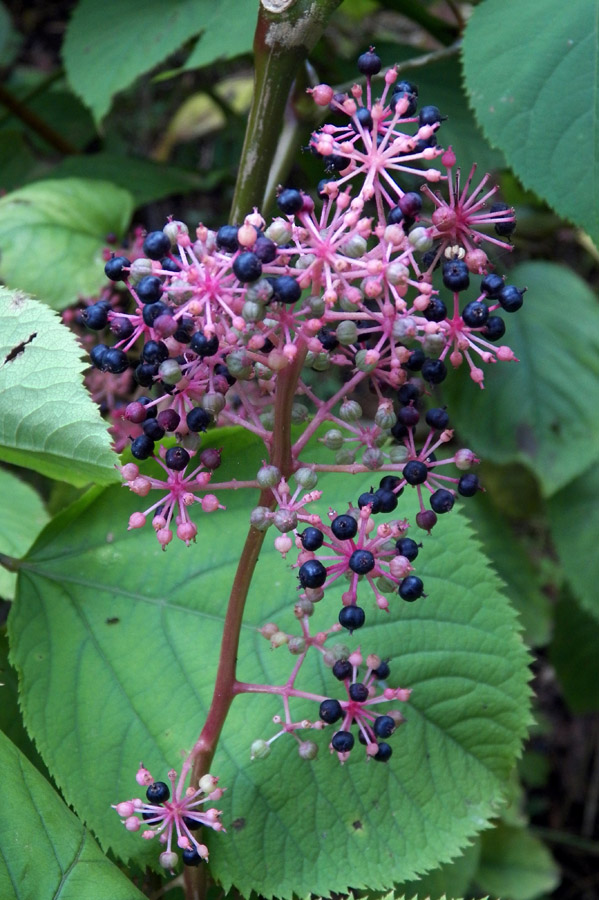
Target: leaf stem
[
  {"x": 10, "y": 563},
  {"x": 37, "y": 124}
]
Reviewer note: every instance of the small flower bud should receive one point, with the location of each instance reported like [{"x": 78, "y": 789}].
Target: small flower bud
[
  {"x": 306, "y": 478},
  {"x": 345, "y": 457},
  {"x": 464, "y": 459},
  {"x": 333, "y": 439},
  {"x": 296, "y": 645},
  {"x": 268, "y": 476},
  {"x": 260, "y": 749},
  {"x": 285, "y": 520},
  {"x": 279, "y": 231},
  {"x": 269, "y": 629},
  {"x": 384, "y": 416},
  {"x": 420, "y": 239},
  {"x": 303, "y": 607},
  {"x": 279, "y": 639},
  {"x": 168, "y": 859},
  {"x": 373, "y": 458},
  {"x": 350, "y": 411},
  {"x": 346, "y": 333},
  {"x": 170, "y": 371},
  {"x": 299, "y": 413},
  {"x": 261, "y": 518}
]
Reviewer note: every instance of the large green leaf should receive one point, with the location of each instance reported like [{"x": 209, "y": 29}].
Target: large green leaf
[
  {"x": 540, "y": 411},
  {"x": 451, "y": 880},
  {"x": 52, "y": 234},
  {"x": 574, "y": 521},
  {"x": 573, "y": 652},
  {"x": 48, "y": 421},
  {"x": 11, "y": 722},
  {"x": 552, "y": 145},
  {"x": 515, "y": 864},
  {"x": 23, "y": 517},
  {"x": 46, "y": 852},
  {"x": 108, "y": 47},
  {"x": 116, "y": 641}
]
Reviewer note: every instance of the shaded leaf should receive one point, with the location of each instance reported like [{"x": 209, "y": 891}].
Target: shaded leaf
[
  {"x": 23, "y": 517},
  {"x": 515, "y": 864},
  {"x": 36, "y": 823},
  {"x": 146, "y": 626},
  {"x": 11, "y": 722},
  {"x": 62, "y": 224},
  {"x": 229, "y": 32},
  {"x": 540, "y": 411},
  {"x": 554, "y": 150},
  {"x": 16, "y": 159},
  {"x": 48, "y": 421},
  {"x": 451, "y": 880},
  {"x": 573, "y": 652}
]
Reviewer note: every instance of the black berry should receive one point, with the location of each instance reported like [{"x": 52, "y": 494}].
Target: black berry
[
  {"x": 370, "y": 498},
  {"x": 344, "y": 527},
  {"x": 202, "y": 345},
  {"x": 381, "y": 672},
  {"x": 96, "y": 316},
  {"x": 503, "y": 228},
  {"x": 468, "y": 484},
  {"x": 149, "y": 289},
  {"x": 383, "y": 726},
  {"x": 491, "y": 285},
  {"x": 358, "y": 692},
  {"x": 384, "y": 752},
  {"x": 198, "y": 419},
  {"x": 411, "y": 588},
  {"x": 330, "y": 711},
  {"x": 142, "y": 447},
  {"x": 436, "y": 311},
  {"x": 247, "y": 267},
  {"x": 430, "y": 115},
  {"x": 408, "y": 392},
  {"x": 511, "y": 298},
  {"x": 154, "y": 352},
  {"x": 290, "y": 201},
  {"x": 177, "y": 458},
  {"x": 312, "y": 574},
  {"x": 286, "y": 289},
  {"x": 442, "y": 501},
  {"x": 115, "y": 361},
  {"x": 343, "y": 741},
  {"x": 158, "y": 792},
  {"x": 114, "y": 268},
  {"x": 369, "y": 63},
  {"x": 191, "y": 857},
  {"x": 407, "y": 547},
  {"x": 475, "y": 314},
  {"x": 494, "y": 329},
  {"x": 342, "y": 669},
  {"x": 226, "y": 238},
  {"x": 153, "y": 429},
  {"x": 387, "y": 500},
  {"x": 415, "y": 472},
  {"x": 455, "y": 275},
  {"x": 352, "y": 617},
  {"x": 434, "y": 371},
  {"x": 312, "y": 538},
  {"x": 156, "y": 245}
]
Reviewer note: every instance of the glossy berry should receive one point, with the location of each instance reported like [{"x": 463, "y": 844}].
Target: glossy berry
[
  {"x": 169, "y": 419},
  {"x": 176, "y": 458},
  {"x": 320, "y": 189},
  {"x": 286, "y": 289},
  {"x": 434, "y": 371},
  {"x": 411, "y": 588},
  {"x": 412, "y": 99},
  {"x": 399, "y": 431},
  {"x": 475, "y": 314},
  {"x": 384, "y": 752},
  {"x": 363, "y": 117},
  {"x": 153, "y": 429},
  {"x": 327, "y": 338},
  {"x": 342, "y": 669},
  {"x": 169, "y": 265},
  {"x": 344, "y": 527},
  {"x": 154, "y": 352},
  {"x": 387, "y": 500},
  {"x": 408, "y": 416},
  {"x": 389, "y": 483},
  {"x": 491, "y": 285},
  {"x": 122, "y": 329},
  {"x": 343, "y": 741},
  {"x": 369, "y": 498},
  {"x": 437, "y": 418},
  {"x": 408, "y": 393},
  {"x": 142, "y": 447},
  {"x": 312, "y": 538},
  {"x": 361, "y": 562},
  {"x": 312, "y": 574},
  {"x": 404, "y": 86},
  {"x": 442, "y": 501},
  {"x": 430, "y": 115},
  {"x": 456, "y": 276},
  {"x": 198, "y": 419},
  {"x": 202, "y": 345},
  {"x": 352, "y": 617},
  {"x": 158, "y": 792},
  {"x": 369, "y": 63},
  {"x": 410, "y": 204},
  {"x": 337, "y": 162},
  {"x": 415, "y": 472},
  {"x": 247, "y": 267},
  {"x": 511, "y": 298},
  {"x": 115, "y": 361},
  {"x": 407, "y": 547},
  {"x": 468, "y": 484},
  {"x": 381, "y": 672},
  {"x": 330, "y": 711},
  {"x": 152, "y": 311},
  {"x": 265, "y": 249},
  {"x": 494, "y": 329},
  {"x": 191, "y": 857},
  {"x": 383, "y": 726},
  {"x": 503, "y": 228},
  {"x": 358, "y": 692},
  {"x": 415, "y": 360},
  {"x": 436, "y": 311},
  {"x": 156, "y": 245},
  {"x": 145, "y": 374},
  {"x": 290, "y": 201},
  {"x": 226, "y": 238},
  {"x": 395, "y": 216},
  {"x": 96, "y": 316},
  {"x": 149, "y": 289},
  {"x": 114, "y": 268}
]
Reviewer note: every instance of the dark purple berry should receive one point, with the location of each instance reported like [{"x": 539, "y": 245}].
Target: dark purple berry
[
  {"x": 97, "y": 355},
  {"x": 408, "y": 392},
  {"x": 381, "y": 672},
  {"x": 494, "y": 329},
  {"x": 412, "y": 99},
  {"x": 407, "y": 547},
  {"x": 456, "y": 276},
  {"x": 198, "y": 419},
  {"x": 415, "y": 472},
  {"x": 504, "y": 229},
  {"x": 153, "y": 429},
  {"x": 475, "y": 314},
  {"x": 156, "y": 245},
  {"x": 330, "y": 711},
  {"x": 192, "y": 824},
  {"x": 176, "y": 458},
  {"x": 491, "y": 285},
  {"x": 369, "y": 498},
  {"x": 145, "y": 374},
  {"x": 226, "y": 238},
  {"x": 286, "y": 289},
  {"x": 434, "y": 371},
  {"x": 362, "y": 118},
  {"x": 122, "y": 328},
  {"x": 96, "y": 316},
  {"x": 410, "y": 204},
  {"x": 312, "y": 538},
  {"x": 442, "y": 501},
  {"x": 202, "y": 345},
  {"x": 389, "y": 482},
  {"x": 211, "y": 458},
  {"x": 436, "y": 311},
  {"x": 328, "y": 339},
  {"x": 149, "y": 289},
  {"x": 336, "y": 162},
  {"x": 426, "y": 519},
  {"x": 415, "y": 360},
  {"x": 352, "y": 617},
  {"x": 343, "y": 741},
  {"x": 468, "y": 484},
  {"x": 154, "y": 352},
  {"x": 265, "y": 249},
  {"x": 169, "y": 419},
  {"x": 399, "y": 431},
  {"x": 430, "y": 115},
  {"x": 437, "y": 418},
  {"x": 361, "y": 562},
  {"x": 247, "y": 267},
  {"x": 411, "y": 588},
  {"x": 408, "y": 416},
  {"x": 396, "y": 217},
  {"x": 142, "y": 447},
  {"x": 153, "y": 311},
  {"x": 387, "y": 500},
  {"x": 320, "y": 189},
  {"x": 290, "y": 201},
  {"x": 135, "y": 412},
  {"x": 405, "y": 86},
  {"x": 358, "y": 692},
  {"x": 191, "y": 857},
  {"x": 511, "y": 298},
  {"x": 383, "y": 726},
  {"x": 115, "y": 361},
  {"x": 158, "y": 792},
  {"x": 342, "y": 669},
  {"x": 369, "y": 63},
  {"x": 312, "y": 574},
  {"x": 169, "y": 265},
  {"x": 384, "y": 752},
  {"x": 114, "y": 268},
  {"x": 344, "y": 527}
]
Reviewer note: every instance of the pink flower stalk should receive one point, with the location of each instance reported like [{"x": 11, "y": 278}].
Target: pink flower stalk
[{"x": 172, "y": 815}]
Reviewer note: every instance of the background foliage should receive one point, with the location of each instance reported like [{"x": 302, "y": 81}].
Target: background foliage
[{"x": 100, "y": 134}]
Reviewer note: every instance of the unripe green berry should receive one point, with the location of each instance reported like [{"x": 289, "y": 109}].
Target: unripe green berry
[
  {"x": 305, "y": 261},
  {"x": 385, "y": 585},
  {"x": 252, "y": 311},
  {"x": 317, "y": 306},
  {"x": 213, "y": 402},
  {"x": 361, "y": 362},
  {"x": 433, "y": 344},
  {"x": 279, "y": 231},
  {"x": 268, "y": 476},
  {"x": 403, "y": 328},
  {"x": 239, "y": 365},
  {"x": 191, "y": 441},
  {"x": 299, "y": 413},
  {"x": 384, "y": 416},
  {"x": 174, "y": 229},
  {"x": 346, "y": 333},
  {"x": 285, "y": 520},
  {"x": 348, "y": 305},
  {"x": 279, "y": 639},
  {"x": 397, "y": 273},
  {"x": 308, "y": 750},
  {"x": 321, "y": 361},
  {"x": 350, "y": 411},
  {"x": 373, "y": 458},
  {"x": 260, "y": 750},
  {"x": 306, "y": 478},
  {"x": 139, "y": 269},
  {"x": 420, "y": 239},
  {"x": 260, "y": 292},
  {"x": 303, "y": 607},
  {"x": 333, "y": 439},
  {"x": 398, "y": 453},
  {"x": 261, "y": 518},
  {"x": 267, "y": 418},
  {"x": 345, "y": 457},
  {"x": 179, "y": 291},
  {"x": 355, "y": 247},
  {"x": 170, "y": 371},
  {"x": 263, "y": 372},
  {"x": 296, "y": 645}
]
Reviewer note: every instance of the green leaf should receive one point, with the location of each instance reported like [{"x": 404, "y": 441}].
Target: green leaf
[
  {"x": 512, "y": 564},
  {"x": 146, "y": 626},
  {"x": 573, "y": 652},
  {"x": 513, "y": 92},
  {"x": 16, "y": 159},
  {"x": 229, "y": 32},
  {"x": 145, "y": 180},
  {"x": 574, "y": 522},
  {"x": 102, "y": 59},
  {"x": 450, "y": 880},
  {"x": 11, "y": 722},
  {"x": 515, "y": 864},
  {"x": 541, "y": 410},
  {"x": 46, "y": 851},
  {"x": 52, "y": 234},
  {"x": 48, "y": 421},
  {"x": 23, "y": 517}
]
